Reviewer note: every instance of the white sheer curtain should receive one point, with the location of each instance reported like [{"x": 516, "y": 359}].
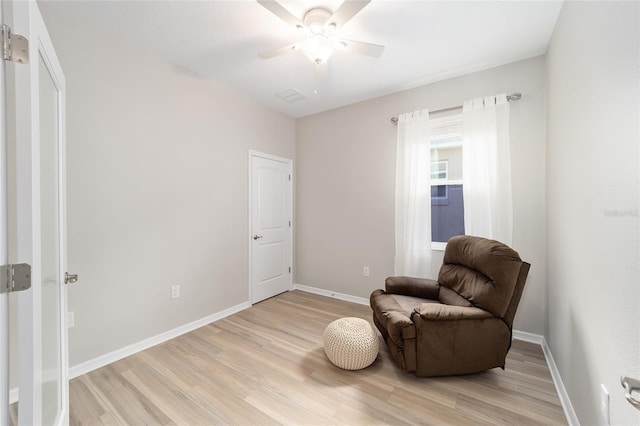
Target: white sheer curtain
[
  {"x": 413, "y": 196},
  {"x": 486, "y": 169}
]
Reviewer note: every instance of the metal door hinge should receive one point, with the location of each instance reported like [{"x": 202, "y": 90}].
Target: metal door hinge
[
  {"x": 289, "y": 269},
  {"x": 15, "y": 277},
  {"x": 15, "y": 48}
]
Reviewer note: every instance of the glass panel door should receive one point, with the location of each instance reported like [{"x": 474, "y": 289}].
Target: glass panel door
[
  {"x": 4, "y": 249},
  {"x": 51, "y": 271},
  {"x": 36, "y": 226}
]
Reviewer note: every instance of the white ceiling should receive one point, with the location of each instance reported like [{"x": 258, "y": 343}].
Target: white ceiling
[{"x": 425, "y": 41}]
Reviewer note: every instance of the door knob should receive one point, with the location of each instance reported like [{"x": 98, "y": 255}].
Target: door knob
[
  {"x": 257, "y": 237},
  {"x": 631, "y": 385},
  {"x": 70, "y": 278}
]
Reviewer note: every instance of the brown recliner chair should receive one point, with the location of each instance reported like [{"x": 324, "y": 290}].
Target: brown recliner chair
[{"x": 461, "y": 323}]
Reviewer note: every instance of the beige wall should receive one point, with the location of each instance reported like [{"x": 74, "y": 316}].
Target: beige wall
[
  {"x": 592, "y": 203},
  {"x": 345, "y": 193},
  {"x": 157, "y": 188}
]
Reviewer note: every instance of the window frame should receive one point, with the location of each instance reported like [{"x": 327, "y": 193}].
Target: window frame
[{"x": 446, "y": 132}]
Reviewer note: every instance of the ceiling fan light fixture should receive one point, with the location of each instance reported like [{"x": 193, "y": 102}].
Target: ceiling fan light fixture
[
  {"x": 316, "y": 28},
  {"x": 318, "y": 48},
  {"x": 321, "y": 27}
]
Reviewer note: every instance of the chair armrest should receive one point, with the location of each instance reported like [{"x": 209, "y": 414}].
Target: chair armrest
[
  {"x": 439, "y": 312},
  {"x": 458, "y": 339},
  {"x": 416, "y": 287}
]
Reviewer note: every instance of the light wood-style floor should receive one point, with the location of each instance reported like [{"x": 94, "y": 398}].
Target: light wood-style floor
[{"x": 266, "y": 365}]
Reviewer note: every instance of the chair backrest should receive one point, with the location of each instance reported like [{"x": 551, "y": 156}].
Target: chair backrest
[{"x": 483, "y": 273}]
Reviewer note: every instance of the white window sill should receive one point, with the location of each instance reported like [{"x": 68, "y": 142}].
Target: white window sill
[{"x": 437, "y": 246}]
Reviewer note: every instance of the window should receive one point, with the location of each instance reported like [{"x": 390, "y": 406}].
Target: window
[
  {"x": 447, "y": 204},
  {"x": 439, "y": 169},
  {"x": 439, "y": 192}
]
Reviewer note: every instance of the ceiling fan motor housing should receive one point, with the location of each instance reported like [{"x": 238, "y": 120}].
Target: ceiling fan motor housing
[{"x": 315, "y": 20}]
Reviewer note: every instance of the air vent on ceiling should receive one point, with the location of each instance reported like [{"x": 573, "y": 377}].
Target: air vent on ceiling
[{"x": 290, "y": 95}]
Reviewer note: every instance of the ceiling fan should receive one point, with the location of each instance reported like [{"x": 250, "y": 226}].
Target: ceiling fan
[{"x": 321, "y": 28}]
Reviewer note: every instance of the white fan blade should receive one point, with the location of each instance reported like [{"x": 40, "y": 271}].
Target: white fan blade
[
  {"x": 360, "y": 47},
  {"x": 279, "y": 51},
  {"x": 282, "y": 13},
  {"x": 346, "y": 11}
]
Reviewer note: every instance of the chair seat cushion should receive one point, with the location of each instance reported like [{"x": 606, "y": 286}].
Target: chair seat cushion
[{"x": 393, "y": 312}]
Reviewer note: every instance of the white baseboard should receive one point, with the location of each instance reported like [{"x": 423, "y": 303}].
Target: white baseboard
[
  {"x": 528, "y": 337},
  {"x": 329, "y": 293},
  {"x": 569, "y": 412},
  {"x": 567, "y": 407},
  {"x": 101, "y": 361},
  {"x": 525, "y": 336}
]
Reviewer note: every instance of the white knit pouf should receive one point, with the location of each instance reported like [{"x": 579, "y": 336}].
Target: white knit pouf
[{"x": 350, "y": 343}]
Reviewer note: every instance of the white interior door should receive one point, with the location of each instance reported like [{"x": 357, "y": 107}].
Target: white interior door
[
  {"x": 271, "y": 228},
  {"x": 4, "y": 248},
  {"x": 38, "y": 231}
]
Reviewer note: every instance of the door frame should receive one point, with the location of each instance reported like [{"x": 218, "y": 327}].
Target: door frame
[{"x": 289, "y": 162}]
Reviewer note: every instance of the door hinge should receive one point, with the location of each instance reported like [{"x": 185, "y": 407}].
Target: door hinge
[
  {"x": 289, "y": 269},
  {"x": 15, "y": 48},
  {"x": 289, "y": 177},
  {"x": 289, "y": 224},
  {"x": 15, "y": 277}
]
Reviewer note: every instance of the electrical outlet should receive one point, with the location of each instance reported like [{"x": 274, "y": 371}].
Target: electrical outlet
[
  {"x": 175, "y": 291},
  {"x": 365, "y": 271},
  {"x": 71, "y": 319},
  {"x": 604, "y": 404}
]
